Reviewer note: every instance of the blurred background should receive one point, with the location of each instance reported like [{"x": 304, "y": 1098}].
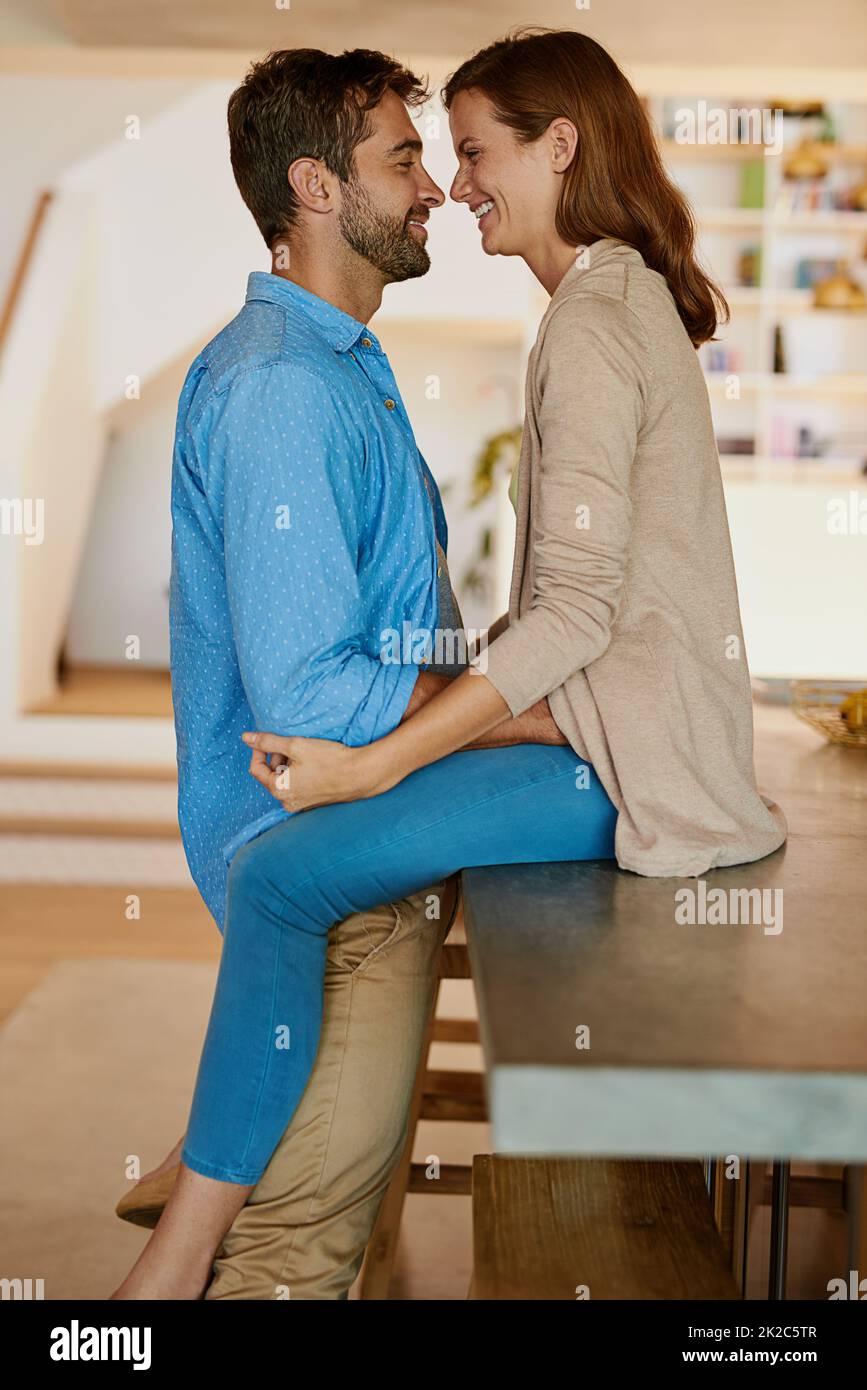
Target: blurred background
[{"x": 124, "y": 246}]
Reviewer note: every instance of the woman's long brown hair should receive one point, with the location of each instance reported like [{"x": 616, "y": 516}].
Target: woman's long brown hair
[{"x": 617, "y": 185}]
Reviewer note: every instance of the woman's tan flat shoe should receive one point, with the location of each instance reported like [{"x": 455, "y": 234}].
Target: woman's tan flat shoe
[{"x": 143, "y": 1204}]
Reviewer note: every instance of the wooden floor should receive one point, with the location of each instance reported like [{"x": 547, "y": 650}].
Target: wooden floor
[{"x": 43, "y": 924}]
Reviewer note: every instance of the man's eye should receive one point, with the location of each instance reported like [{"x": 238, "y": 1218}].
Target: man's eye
[
  {"x": 406, "y": 164},
  {"x": 472, "y": 154}
]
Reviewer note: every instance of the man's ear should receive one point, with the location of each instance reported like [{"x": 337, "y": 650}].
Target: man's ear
[
  {"x": 313, "y": 184},
  {"x": 564, "y": 142}
]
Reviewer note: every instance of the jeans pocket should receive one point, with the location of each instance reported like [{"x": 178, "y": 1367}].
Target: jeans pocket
[
  {"x": 381, "y": 926},
  {"x": 352, "y": 942},
  {"x": 356, "y": 941}
]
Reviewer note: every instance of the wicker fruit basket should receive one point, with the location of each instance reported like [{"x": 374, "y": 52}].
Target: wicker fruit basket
[{"x": 839, "y": 711}]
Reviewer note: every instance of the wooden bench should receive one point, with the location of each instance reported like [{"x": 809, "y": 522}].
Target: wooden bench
[{"x": 564, "y": 1228}]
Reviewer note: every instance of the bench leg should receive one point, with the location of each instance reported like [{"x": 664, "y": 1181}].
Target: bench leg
[
  {"x": 855, "y": 1179},
  {"x": 723, "y": 1197},
  {"x": 742, "y": 1215},
  {"x": 779, "y": 1230}
]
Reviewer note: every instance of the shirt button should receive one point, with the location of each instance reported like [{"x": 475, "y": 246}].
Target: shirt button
[
  {"x": 366, "y": 342},
  {"x": 439, "y": 571},
  {"x": 389, "y": 405}
]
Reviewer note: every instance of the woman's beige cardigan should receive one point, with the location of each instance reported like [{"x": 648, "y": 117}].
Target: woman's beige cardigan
[{"x": 624, "y": 607}]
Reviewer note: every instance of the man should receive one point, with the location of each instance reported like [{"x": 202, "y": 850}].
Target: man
[{"x": 306, "y": 526}]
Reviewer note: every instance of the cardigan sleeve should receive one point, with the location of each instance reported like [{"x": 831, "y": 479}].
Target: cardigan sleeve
[{"x": 591, "y": 391}]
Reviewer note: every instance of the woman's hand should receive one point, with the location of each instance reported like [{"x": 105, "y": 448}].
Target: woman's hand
[{"x": 308, "y": 772}]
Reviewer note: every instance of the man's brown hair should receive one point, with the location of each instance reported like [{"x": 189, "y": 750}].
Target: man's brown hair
[{"x": 299, "y": 102}]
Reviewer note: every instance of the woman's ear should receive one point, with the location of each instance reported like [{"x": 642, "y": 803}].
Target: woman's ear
[
  {"x": 313, "y": 184},
  {"x": 563, "y": 138}
]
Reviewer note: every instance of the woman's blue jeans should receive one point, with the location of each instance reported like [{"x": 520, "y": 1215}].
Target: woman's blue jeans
[{"x": 526, "y": 804}]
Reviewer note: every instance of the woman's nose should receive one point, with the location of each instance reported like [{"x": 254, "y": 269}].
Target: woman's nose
[{"x": 459, "y": 191}]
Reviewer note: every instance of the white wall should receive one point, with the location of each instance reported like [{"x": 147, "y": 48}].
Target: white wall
[
  {"x": 122, "y": 584},
  {"x": 803, "y": 589},
  {"x": 52, "y": 440},
  {"x": 480, "y": 394},
  {"x": 50, "y": 123}
]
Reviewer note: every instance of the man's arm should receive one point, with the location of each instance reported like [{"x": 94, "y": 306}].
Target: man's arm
[{"x": 535, "y": 725}]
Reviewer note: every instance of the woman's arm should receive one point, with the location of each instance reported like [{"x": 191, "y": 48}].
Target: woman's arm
[
  {"x": 535, "y": 725},
  {"x": 469, "y": 713},
  {"x": 592, "y": 382},
  {"x": 467, "y": 709}
]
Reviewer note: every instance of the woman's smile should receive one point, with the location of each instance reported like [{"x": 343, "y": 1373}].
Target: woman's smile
[{"x": 482, "y": 211}]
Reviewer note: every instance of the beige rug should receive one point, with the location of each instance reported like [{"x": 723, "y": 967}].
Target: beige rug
[{"x": 97, "y": 1063}]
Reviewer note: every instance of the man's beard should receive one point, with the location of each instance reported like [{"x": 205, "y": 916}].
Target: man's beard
[{"x": 385, "y": 241}]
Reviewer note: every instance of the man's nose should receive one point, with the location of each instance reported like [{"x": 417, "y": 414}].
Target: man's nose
[{"x": 430, "y": 193}]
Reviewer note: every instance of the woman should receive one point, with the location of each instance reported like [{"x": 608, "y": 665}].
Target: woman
[{"x": 623, "y": 613}]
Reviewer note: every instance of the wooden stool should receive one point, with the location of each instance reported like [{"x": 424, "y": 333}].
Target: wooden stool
[
  {"x": 842, "y": 1190},
  {"x": 437, "y": 1095}
]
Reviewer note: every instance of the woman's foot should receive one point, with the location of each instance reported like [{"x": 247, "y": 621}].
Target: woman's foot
[
  {"x": 154, "y": 1277},
  {"x": 178, "y": 1260}
]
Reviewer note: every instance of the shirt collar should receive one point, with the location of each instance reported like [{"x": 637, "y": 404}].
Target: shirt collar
[{"x": 339, "y": 329}]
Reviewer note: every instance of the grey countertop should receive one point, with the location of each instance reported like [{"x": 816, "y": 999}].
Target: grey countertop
[{"x": 703, "y": 1039}]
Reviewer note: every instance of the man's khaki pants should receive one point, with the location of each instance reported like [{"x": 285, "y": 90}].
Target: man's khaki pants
[{"x": 305, "y": 1227}]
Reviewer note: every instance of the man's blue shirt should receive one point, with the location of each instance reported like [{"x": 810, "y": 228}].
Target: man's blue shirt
[{"x": 302, "y": 531}]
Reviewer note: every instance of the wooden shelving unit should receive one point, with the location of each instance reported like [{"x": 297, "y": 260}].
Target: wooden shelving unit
[{"x": 824, "y": 388}]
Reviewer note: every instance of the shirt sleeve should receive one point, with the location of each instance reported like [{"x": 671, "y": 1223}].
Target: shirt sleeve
[
  {"x": 591, "y": 382},
  {"x": 293, "y": 522}
]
